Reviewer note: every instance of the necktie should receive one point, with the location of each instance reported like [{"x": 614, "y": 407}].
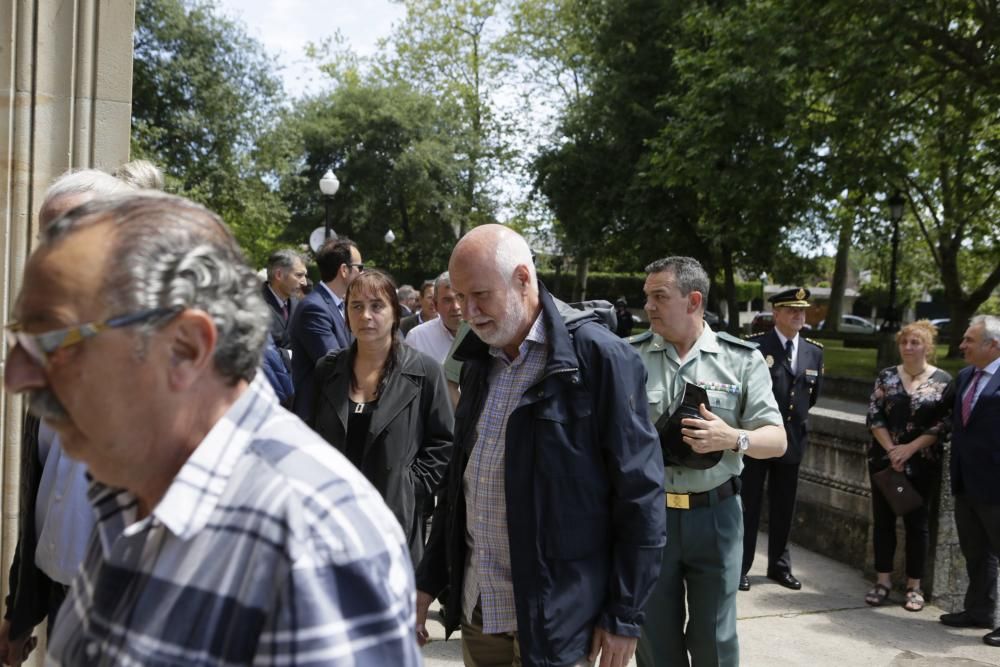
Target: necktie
[
  {"x": 284, "y": 309},
  {"x": 788, "y": 352},
  {"x": 970, "y": 397}
]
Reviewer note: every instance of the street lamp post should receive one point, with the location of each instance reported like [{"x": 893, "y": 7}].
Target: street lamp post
[
  {"x": 896, "y": 203},
  {"x": 328, "y": 185},
  {"x": 389, "y": 239}
]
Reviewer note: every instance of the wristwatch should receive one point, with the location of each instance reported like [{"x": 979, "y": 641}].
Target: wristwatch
[{"x": 742, "y": 442}]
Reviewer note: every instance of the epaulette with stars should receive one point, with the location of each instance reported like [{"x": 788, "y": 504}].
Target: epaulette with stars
[{"x": 814, "y": 342}]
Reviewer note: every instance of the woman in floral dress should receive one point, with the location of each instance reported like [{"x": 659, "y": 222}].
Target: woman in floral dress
[{"x": 908, "y": 417}]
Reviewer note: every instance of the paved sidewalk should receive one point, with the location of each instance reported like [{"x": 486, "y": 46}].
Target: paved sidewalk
[{"x": 825, "y": 624}]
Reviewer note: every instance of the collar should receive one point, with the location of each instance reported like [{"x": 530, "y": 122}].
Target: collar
[
  {"x": 783, "y": 339},
  {"x": 198, "y": 486},
  {"x": 707, "y": 342},
  {"x": 440, "y": 321},
  {"x": 536, "y": 336},
  {"x": 992, "y": 367},
  {"x": 336, "y": 299},
  {"x": 277, "y": 297}
]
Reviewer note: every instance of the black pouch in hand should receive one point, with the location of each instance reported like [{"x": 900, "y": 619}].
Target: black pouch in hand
[{"x": 675, "y": 451}]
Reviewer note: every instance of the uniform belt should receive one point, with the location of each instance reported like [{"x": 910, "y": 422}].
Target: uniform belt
[{"x": 688, "y": 501}]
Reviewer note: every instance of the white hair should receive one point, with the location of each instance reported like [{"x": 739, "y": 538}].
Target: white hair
[
  {"x": 512, "y": 251},
  {"x": 991, "y": 326}
]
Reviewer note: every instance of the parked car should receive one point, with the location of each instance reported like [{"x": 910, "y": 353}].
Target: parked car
[
  {"x": 854, "y": 324},
  {"x": 715, "y": 323},
  {"x": 942, "y": 323}
]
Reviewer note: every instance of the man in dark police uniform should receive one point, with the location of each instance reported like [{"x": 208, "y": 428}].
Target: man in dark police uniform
[{"x": 796, "y": 366}]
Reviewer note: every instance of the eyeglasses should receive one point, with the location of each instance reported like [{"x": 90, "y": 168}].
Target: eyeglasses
[
  {"x": 40, "y": 346},
  {"x": 359, "y": 267}
]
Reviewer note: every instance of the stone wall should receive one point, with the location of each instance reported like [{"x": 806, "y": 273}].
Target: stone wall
[{"x": 65, "y": 102}]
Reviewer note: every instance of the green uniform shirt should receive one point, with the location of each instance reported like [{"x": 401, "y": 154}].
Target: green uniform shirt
[{"x": 737, "y": 381}]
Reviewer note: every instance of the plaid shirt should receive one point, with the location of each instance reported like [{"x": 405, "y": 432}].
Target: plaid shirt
[
  {"x": 488, "y": 575},
  {"x": 268, "y": 548}
]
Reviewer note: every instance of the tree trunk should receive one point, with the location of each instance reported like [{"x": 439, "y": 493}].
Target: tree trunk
[
  {"x": 580, "y": 285},
  {"x": 835, "y": 307},
  {"x": 730, "y": 291}
]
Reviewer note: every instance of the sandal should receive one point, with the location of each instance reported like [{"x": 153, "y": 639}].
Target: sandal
[
  {"x": 914, "y": 599},
  {"x": 877, "y": 596}
]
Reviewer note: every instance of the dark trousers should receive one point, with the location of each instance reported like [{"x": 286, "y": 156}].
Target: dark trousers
[
  {"x": 700, "y": 566},
  {"x": 782, "y": 485},
  {"x": 923, "y": 477},
  {"x": 978, "y": 525}
]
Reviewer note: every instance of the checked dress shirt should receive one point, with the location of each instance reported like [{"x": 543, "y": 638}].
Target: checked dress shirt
[{"x": 268, "y": 548}]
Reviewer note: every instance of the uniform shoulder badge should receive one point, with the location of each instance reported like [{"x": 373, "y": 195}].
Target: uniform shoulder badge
[
  {"x": 814, "y": 342},
  {"x": 754, "y": 335},
  {"x": 639, "y": 338},
  {"x": 733, "y": 340}
]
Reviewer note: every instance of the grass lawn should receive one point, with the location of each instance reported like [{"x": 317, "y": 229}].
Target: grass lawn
[{"x": 859, "y": 363}]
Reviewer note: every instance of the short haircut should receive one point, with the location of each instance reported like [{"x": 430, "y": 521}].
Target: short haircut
[
  {"x": 991, "y": 326},
  {"x": 688, "y": 274},
  {"x": 141, "y": 174},
  {"x": 333, "y": 254},
  {"x": 923, "y": 330},
  {"x": 426, "y": 285},
  {"x": 380, "y": 284},
  {"x": 443, "y": 280},
  {"x": 406, "y": 292},
  {"x": 169, "y": 252},
  {"x": 281, "y": 259}
]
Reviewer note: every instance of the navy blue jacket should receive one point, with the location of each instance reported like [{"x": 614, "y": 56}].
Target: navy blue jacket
[
  {"x": 975, "y": 448},
  {"x": 317, "y": 327},
  {"x": 794, "y": 392},
  {"x": 584, "y": 488},
  {"x": 276, "y": 372}
]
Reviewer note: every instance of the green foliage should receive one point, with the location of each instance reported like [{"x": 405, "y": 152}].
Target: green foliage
[
  {"x": 607, "y": 286},
  {"x": 204, "y": 102},
  {"x": 391, "y": 148}
]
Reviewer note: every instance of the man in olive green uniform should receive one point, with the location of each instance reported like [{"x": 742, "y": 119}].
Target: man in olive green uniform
[{"x": 704, "y": 516}]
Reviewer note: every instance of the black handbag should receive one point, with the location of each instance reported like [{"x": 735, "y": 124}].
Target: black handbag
[
  {"x": 668, "y": 427},
  {"x": 898, "y": 491}
]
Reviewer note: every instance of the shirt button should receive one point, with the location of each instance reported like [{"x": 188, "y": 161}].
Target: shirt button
[{"x": 91, "y": 650}]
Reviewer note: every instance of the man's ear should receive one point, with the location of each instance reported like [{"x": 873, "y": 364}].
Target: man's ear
[
  {"x": 192, "y": 345},
  {"x": 522, "y": 277},
  {"x": 695, "y": 300}
]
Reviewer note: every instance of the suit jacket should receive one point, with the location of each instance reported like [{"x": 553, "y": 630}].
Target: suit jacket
[
  {"x": 794, "y": 392},
  {"x": 279, "y": 326},
  {"x": 975, "y": 447},
  {"x": 408, "y": 445},
  {"x": 317, "y": 327}
]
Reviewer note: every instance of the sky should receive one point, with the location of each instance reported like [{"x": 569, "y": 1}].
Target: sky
[{"x": 285, "y": 26}]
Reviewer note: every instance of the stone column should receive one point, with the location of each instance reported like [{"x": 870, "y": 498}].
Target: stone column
[{"x": 65, "y": 102}]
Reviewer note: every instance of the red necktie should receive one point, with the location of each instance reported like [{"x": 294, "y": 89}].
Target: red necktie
[{"x": 970, "y": 396}]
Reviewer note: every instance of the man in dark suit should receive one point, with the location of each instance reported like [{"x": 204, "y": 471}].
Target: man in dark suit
[
  {"x": 318, "y": 325},
  {"x": 286, "y": 276},
  {"x": 975, "y": 471},
  {"x": 796, "y": 366}
]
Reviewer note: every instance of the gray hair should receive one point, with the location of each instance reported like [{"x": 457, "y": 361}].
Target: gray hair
[
  {"x": 688, "y": 274},
  {"x": 512, "y": 251},
  {"x": 282, "y": 259},
  {"x": 406, "y": 292},
  {"x": 168, "y": 252},
  {"x": 82, "y": 181},
  {"x": 443, "y": 280},
  {"x": 141, "y": 174},
  {"x": 991, "y": 326}
]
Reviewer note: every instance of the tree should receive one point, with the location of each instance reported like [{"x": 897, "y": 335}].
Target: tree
[
  {"x": 204, "y": 102},
  {"x": 391, "y": 147},
  {"x": 450, "y": 49}
]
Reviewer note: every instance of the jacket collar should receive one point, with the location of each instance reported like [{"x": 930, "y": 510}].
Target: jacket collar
[
  {"x": 402, "y": 387},
  {"x": 556, "y": 315}
]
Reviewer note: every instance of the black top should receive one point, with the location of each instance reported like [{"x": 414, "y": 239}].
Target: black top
[
  {"x": 908, "y": 416},
  {"x": 359, "y": 418}
]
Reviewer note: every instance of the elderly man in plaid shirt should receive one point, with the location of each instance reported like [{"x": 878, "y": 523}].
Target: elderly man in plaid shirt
[{"x": 227, "y": 532}]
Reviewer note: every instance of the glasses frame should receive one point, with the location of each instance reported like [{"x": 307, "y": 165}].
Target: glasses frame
[
  {"x": 39, "y": 347},
  {"x": 360, "y": 266}
]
